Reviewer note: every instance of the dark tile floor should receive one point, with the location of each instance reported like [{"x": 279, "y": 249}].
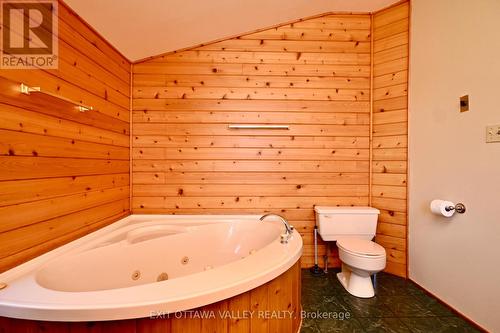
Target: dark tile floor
[{"x": 399, "y": 306}]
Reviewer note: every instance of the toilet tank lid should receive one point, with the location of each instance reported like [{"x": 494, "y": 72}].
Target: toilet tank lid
[{"x": 346, "y": 210}]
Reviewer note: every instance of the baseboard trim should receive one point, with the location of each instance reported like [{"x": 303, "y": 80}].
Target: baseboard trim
[{"x": 455, "y": 311}]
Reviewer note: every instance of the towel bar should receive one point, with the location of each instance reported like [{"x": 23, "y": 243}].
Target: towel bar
[{"x": 258, "y": 126}]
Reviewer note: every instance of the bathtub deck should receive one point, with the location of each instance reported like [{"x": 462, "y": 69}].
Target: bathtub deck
[{"x": 400, "y": 306}]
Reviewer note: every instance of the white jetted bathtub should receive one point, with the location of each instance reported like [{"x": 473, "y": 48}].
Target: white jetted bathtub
[{"x": 149, "y": 263}]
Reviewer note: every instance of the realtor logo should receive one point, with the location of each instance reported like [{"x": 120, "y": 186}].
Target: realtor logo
[{"x": 29, "y": 36}]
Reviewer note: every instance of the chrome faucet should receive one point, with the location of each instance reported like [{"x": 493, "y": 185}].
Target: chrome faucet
[{"x": 288, "y": 227}]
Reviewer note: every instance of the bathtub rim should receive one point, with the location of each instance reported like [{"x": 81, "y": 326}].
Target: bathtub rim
[
  {"x": 114, "y": 311},
  {"x": 89, "y": 239}
]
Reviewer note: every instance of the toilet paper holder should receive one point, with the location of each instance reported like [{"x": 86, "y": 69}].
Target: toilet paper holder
[{"x": 459, "y": 208}]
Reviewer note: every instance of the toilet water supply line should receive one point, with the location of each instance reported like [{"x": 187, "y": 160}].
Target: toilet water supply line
[
  {"x": 315, "y": 269},
  {"x": 315, "y": 246},
  {"x": 325, "y": 257}
]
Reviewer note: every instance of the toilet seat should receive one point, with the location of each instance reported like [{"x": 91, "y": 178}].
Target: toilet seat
[{"x": 361, "y": 248}]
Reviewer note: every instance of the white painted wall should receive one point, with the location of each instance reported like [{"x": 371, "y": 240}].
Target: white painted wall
[{"x": 455, "y": 51}]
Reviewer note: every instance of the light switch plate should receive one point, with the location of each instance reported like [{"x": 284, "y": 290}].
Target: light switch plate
[
  {"x": 493, "y": 133},
  {"x": 464, "y": 103}
]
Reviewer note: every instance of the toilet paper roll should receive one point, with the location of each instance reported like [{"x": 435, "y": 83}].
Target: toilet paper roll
[{"x": 438, "y": 207}]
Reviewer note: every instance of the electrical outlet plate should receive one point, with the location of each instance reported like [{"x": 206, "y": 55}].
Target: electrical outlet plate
[{"x": 493, "y": 133}]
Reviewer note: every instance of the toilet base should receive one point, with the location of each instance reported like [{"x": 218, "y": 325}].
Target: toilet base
[{"x": 355, "y": 284}]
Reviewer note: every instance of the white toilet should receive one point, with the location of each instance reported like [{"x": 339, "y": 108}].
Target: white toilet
[{"x": 353, "y": 228}]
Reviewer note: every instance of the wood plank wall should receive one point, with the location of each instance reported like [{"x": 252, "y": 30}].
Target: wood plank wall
[
  {"x": 313, "y": 75},
  {"x": 63, "y": 173},
  {"x": 390, "y": 132}
]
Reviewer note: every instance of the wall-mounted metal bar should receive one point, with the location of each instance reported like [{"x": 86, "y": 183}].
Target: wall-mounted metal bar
[
  {"x": 258, "y": 126},
  {"x": 29, "y": 90}
]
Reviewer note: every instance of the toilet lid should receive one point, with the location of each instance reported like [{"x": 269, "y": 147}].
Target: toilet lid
[{"x": 361, "y": 247}]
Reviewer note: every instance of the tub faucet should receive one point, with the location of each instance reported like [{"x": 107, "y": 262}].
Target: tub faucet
[{"x": 288, "y": 227}]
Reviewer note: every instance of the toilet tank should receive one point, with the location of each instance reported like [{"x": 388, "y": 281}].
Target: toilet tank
[{"x": 346, "y": 222}]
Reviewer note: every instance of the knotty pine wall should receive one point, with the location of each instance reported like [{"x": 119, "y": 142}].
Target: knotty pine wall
[
  {"x": 63, "y": 173},
  {"x": 313, "y": 75},
  {"x": 390, "y": 132}
]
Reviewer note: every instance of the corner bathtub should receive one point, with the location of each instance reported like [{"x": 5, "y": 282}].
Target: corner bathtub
[{"x": 146, "y": 264}]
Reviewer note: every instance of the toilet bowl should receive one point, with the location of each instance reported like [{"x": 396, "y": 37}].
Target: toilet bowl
[
  {"x": 360, "y": 259},
  {"x": 353, "y": 228}
]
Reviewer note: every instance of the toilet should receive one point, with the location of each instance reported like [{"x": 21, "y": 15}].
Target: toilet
[{"x": 353, "y": 228}]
